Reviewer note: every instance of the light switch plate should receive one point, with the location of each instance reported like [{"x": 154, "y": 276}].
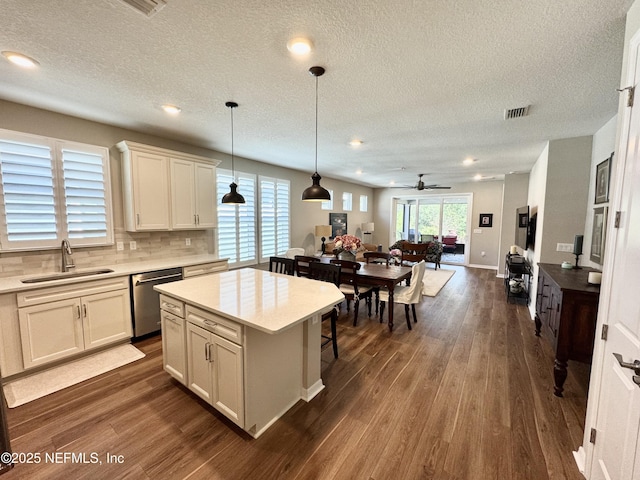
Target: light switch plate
[
  {"x": 564, "y": 247},
  {"x": 132, "y": 245},
  {"x": 477, "y": 230},
  {"x": 187, "y": 241},
  {"x": 119, "y": 246}
]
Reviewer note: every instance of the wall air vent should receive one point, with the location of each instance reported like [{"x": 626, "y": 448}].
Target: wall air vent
[
  {"x": 516, "y": 112},
  {"x": 147, "y": 7}
]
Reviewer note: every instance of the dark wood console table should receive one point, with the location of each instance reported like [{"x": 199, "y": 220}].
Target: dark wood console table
[{"x": 567, "y": 305}]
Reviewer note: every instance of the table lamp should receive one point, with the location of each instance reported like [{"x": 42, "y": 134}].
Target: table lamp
[
  {"x": 367, "y": 228},
  {"x": 323, "y": 231}
]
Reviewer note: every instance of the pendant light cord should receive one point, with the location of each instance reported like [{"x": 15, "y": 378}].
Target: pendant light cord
[
  {"x": 233, "y": 168},
  {"x": 316, "y": 169}
]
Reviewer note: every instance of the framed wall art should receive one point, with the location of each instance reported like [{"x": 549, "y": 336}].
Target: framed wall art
[
  {"x": 598, "y": 234},
  {"x": 603, "y": 171},
  {"x": 338, "y": 222},
  {"x": 486, "y": 220}
]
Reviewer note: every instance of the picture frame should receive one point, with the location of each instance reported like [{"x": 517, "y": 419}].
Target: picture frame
[
  {"x": 338, "y": 222},
  {"x": 603, "y": 172},
  {"x": 486, "y": 220},
  {"x": 598, "y": 234}
]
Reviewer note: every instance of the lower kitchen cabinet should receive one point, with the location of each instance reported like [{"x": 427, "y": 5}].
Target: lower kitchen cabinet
[
  {"x": 215, "y": 372},
  {"x": 59, "y": 322},
  {"x": 174, "y": 355}
]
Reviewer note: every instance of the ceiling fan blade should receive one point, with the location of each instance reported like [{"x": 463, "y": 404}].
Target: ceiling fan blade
[{"x": 435, "y": 187}]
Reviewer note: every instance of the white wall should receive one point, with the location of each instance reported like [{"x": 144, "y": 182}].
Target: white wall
[
  {"x": 603, "y": 145},
  {"x": 516, "y": 188}
]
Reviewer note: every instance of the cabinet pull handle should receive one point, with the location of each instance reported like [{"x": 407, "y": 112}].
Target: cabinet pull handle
[
  {"x": 198, "y": 217},
  {"x": 195, "y": 219},
  {"x": 210, "y": 356},
  {"x": 138, "y": 219},
  {"x": 84, "y": 309},
  {"x": 206, "y": 351},
  {"x": 78, "y": 307}
]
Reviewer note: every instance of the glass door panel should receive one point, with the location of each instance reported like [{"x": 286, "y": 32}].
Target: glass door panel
[{"x": 429, "y": 218}]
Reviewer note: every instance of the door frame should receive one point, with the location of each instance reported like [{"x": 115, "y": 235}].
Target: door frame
[{"x": 585, "y": 455}]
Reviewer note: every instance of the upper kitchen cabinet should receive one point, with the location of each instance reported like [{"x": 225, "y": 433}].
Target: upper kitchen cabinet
[{"x": 167, "y": 190}]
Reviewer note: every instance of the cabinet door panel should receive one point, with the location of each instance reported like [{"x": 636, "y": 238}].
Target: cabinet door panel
[
  {"x": 174, "y": 347},
  {"x": 228, "y": 390},
  {"x": 106, "y": 318},
  {"x": 199, "y": 370},
  {"x": 50, "y": 331},
  {"x": 183, "y": 195},
  {"x": 206, "y": 208},
  {"x": 151, "y": 191}
]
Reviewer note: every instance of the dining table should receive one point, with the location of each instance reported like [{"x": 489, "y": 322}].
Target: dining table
[{"x": 380, "y": 275}]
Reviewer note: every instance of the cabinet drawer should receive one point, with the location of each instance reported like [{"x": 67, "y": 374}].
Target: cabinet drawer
[
  {"x": 172, "y": 305},
  {"x": 204, "y": 269},
  {"x": 213, "y": 323},
  {"x": 63, "y": 292}
]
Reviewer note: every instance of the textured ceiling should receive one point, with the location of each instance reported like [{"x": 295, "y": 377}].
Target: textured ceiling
[{"x": 424, "y": 84}]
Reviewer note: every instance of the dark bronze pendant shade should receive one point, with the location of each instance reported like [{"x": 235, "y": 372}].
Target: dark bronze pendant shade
[
  {"x": 233, "y": 197},
  {"x": 316, "y": 193}
]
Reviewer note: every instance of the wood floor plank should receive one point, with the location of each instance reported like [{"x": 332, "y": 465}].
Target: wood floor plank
[{"x": 466, "y": 394}]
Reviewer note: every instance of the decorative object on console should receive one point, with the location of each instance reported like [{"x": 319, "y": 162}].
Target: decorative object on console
[
  {"x": 323, "y": 231},
  {"x": 603, "y": 171},
  {"x": 316, "y": 193},
  {"x": 577, "y": 248},
  {"x": 233, "y": 197},
  {"x": 486, "y": 220}
]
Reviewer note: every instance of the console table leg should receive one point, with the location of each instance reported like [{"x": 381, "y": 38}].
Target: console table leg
[
  {"x": 559, "y": 375},
  {"x": 538, "y": 325}
]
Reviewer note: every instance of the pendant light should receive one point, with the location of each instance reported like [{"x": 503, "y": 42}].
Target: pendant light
[
  {"x": 233, "y": 197},
  {"x": 316, "y": 193}
]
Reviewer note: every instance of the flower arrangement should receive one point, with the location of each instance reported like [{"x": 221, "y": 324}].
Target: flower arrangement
[{"x": 349, "y": 243}]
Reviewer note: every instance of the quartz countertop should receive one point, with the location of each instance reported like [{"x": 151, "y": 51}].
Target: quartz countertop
[
  {"x": 14, "y": 284},
  {"x": 266, "y": 301}
]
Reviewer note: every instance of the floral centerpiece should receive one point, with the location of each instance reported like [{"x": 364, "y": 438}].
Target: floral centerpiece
[{"x": 346, "y": 243}]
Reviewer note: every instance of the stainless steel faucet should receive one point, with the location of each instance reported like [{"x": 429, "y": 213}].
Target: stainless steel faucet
[{"x": 67, "y": 261}]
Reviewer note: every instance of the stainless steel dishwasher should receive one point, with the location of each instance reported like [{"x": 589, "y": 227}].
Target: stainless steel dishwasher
[{"x": 145, "y": 301}]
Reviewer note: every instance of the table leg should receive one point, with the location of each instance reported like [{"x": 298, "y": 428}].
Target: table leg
[
  {"x": 390, "y": 309},
  {"x": 559, "y": 376}
]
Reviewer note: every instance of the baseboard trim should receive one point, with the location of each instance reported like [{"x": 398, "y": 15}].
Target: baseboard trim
[{"x": 486, "y": 267}]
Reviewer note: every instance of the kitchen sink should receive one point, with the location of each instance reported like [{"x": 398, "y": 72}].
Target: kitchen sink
[{"x": 64, "y": 275}]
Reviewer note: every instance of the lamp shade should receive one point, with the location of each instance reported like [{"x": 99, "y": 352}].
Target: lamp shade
[
  {"x": 367, "y": 227},
  {"x": 323, "y": 230}
]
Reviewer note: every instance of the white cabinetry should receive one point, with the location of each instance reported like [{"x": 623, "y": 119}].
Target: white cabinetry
[
  {"x": 215, "y": 364},
  {"x": 174, "y": 352},
  {"x": 58, "y": 322},
  {"x": 193, "y": 194},
  {"x": 167, "y": 190}
]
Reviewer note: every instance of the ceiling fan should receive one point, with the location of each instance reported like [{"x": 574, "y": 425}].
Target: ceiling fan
[{"x": 421, "y": 186}]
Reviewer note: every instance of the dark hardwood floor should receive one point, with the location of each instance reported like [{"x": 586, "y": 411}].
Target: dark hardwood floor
[{"x": 467, "y": 394}]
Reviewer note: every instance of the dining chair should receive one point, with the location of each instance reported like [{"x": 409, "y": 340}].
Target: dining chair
[
  {"x": 350, "y": 288},
  {"x": 413, "y": 253},
  {"x": 282, "y": 265},
  {"x": 410, "y": 295},
  {"x": 327, "y": 272},
  {"x": 303, "y": 263},
  {"x": 377, "y": 257}
]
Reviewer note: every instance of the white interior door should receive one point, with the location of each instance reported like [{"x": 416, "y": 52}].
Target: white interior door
[{"x": 618, "y": 407}]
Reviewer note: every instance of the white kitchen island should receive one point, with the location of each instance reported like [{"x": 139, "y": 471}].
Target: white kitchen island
[{"x": 246, "y": 341}]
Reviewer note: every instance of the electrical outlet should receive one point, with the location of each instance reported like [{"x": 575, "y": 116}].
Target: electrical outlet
[
  {"x": 132, "y": 245},
  {"x": 187, "y": 241},
  {"x": 119, "y": 246},
  {"x": 564, "y": 247}
]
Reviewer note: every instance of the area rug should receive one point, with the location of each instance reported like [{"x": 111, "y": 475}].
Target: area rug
[
  {"x": 24, "y": 390},
  {"x": 434, "y": 280}
]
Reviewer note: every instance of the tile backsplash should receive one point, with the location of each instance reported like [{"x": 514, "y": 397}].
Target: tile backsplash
[{"x": 149, "y": 246}]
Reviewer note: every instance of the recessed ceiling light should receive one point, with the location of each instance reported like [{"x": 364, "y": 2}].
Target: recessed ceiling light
[
  {"x": 358, "y": 172},
  {"x": 392, "y": 182},
  {"x": 356, "y": 143},
  {"x": 20, "y": 59},
  {"x": 171, "y": 109},
  {"x": 477, "y": 177},
  {"x": 299, "y": 46},
  {"x": 469, "y": 161}
]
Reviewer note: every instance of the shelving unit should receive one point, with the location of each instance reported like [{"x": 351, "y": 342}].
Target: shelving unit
[{"x": 515, "y": 266}]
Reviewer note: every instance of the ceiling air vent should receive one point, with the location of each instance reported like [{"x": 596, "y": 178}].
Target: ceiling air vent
[
  {"x": 147, "y": 7},
  {"x": 516, "y": 112}
]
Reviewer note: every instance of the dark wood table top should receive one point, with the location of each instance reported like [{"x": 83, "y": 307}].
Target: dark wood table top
[{"x": 571, "y": 279}]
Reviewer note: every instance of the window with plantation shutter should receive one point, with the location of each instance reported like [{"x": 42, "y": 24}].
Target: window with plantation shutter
[
  {"x": 274, "y": 217},
  {"x": 237, "y": 223},
  {"x": 51, "y": 190}
]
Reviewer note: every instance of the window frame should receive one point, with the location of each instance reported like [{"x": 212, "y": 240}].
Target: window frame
[{"x": 279, "y": 249}]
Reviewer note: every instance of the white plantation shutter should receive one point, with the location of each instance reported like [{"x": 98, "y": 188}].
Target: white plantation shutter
[
  {"x": 47, "y": 197},
  {"x": 274, "y": 217},
  {"x": 237, "y": 223},
  {"x": 86, "y": 195}
]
